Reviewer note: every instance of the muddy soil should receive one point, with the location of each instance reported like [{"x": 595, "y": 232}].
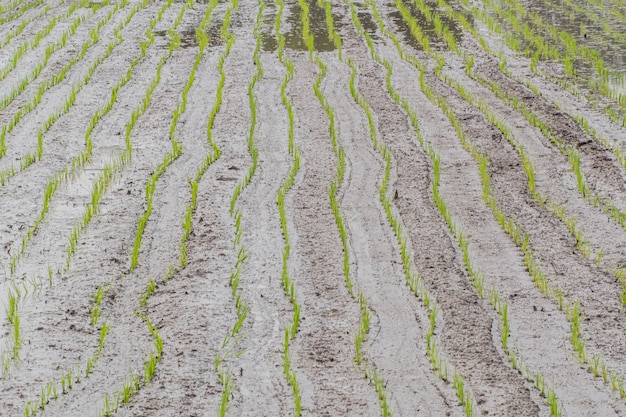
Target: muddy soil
[{"x": 147, "y": 269}]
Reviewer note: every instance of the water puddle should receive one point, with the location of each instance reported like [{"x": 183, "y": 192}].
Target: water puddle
[
  {"x": 214, "y": 33},
  {"x": 188, "y": 38},
  {"x": 595, "y": 29},
  {"x": 97, "y": 5},
  {"x": 434, "y": 40},
  {"x": 268, "y": 38},
  {"x": 317, "y": 26},
  {"x": 367, "y": 21}
]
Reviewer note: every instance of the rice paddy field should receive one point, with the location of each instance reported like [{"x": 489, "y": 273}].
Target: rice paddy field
[{"x": 312, "y": 208}]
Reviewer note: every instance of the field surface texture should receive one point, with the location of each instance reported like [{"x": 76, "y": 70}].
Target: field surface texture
[{"x": 312, "y": 208}]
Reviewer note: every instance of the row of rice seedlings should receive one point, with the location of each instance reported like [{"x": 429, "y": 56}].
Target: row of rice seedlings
[
  {"x": 151, "y": 287},
  {"x": 20, "y": 28},
  {"x": 287, "y": 281},
  {"x": 20, "y": 12},
  {"x": 574, "y": 50},
  {"x": 593, "y": 18},
  {"x": 412, "y": 274},
  {"x": 80, "y": 160},
  {"x": 584, "y": 246},
  {"x": 571, "y": 309},
  {"x": 571, "y": 49},
  {"x": 50, "y": 49},
  {"x": 514, "y": 42},
  {"x": 16, "y": 293},
  {"x": 477, "y": 279},
  {"x": 32, "y": 157},
  {"x": 236, "y": 214},
  {"x": 122, "y": 396},
  {"x": 55, "y": 181},
  {"x": 39, "y": 36},
  {"x": 491, "y": 294},
  {"x": 112, "y": 402},
  {"x": 177, "y": 148},
  {"x": 224, "y": 374},
  {"x": 66, "y": 381},
  {"x": 368, "y": 368},
  {"x": 203, "y": 41},
  {"x": 461, "y": 19},
  {"x": 10, "y": 6},
  {"x": 573, "y": 155},
  {"x": 608, "y": 8}
]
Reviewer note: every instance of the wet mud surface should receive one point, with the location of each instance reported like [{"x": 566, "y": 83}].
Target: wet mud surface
[{"x": 154, "y": 262}]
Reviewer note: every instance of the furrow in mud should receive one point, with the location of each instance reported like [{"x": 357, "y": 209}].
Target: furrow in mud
[
  {"x": 263, "y": 385},
  {"x": 550, "y": 240},
  {"x": 64, "y": 140},
  {"x": 604, "y": 241},
  {"x": 420, "y": 243},
  {"x": 601, "y": 169},
  {"x": 322, "y": 351},
  {"x": 438, "y": 258},
  {"x": 539, "y": 332},
  {"x": 39, "y": 92},
  {"x": 25, "y": 27},
  {"x": 412, "y": 387},
  {"x": 256, "y": 357},
  {"x": 89, "y": 293}
]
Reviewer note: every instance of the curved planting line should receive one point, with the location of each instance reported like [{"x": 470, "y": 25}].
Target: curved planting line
[
  {"x": 19, "y": 29},
  {"x": 203, "y": 41},
  {"x": 412, "y": 274},
  {"x": 225, "y": 376},
  {"x": 50, "y": 49},
  {"x": 571, "y": 49},
  {"x": 513, "y": 42},
  {"x": 80, "y": 160},
  {"x": 236, "y": 214},
  {"x": 39, "y": 36},
  {"x": 287, "y": 281},
  {"x": 32, "y": 157},
  {"x": 133, "y": 384},
  {"x": 103, "y": 181},
  {"x": 584, "y": 247},
  {"x": 570, "y": 151},
  {"x": 21, "y": 86},
  {"x": 619, "y": 216},
  {"x": 368, "y": 368},
  {"x": 592, "y": 17},
  {"x": 65, "y": 382},
  {"x": 597, "y": 365},
  {"x": 20, "y": 12},
  {"x": 17, "y": 295},
  {"x": 10, "y": 6},
  {"x": 476, "y": 278}
]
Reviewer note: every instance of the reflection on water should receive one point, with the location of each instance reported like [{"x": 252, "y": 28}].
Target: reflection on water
[
  {"x": 588, "y": 25},
  {"x": 434, "y": 41},
  {"x": 317, "y": 26},
  {"x": 292, "y": 28},
  {"x": 97, "y": 5},
  {"x": 268, "y": 36},
  {"x": 367, "y": 21}
]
